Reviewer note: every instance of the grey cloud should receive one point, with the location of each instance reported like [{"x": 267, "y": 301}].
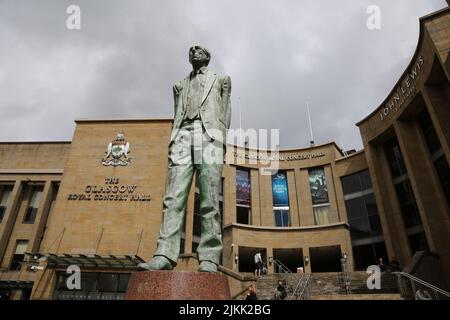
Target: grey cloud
[{"x": 280, "y": 54}]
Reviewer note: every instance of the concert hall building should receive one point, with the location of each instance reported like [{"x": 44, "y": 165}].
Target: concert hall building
[{"x": 96, "y": 201}]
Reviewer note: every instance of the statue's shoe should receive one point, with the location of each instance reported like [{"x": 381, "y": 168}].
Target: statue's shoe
[
  {"x": 157, "y": 263},
  {"x": 206, "y": 266}
]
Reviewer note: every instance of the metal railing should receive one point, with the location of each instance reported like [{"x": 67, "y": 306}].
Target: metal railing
[
  {"x": 303, "y": 289},
  {"x": 415, "y": 288},
  {"x": 299, "y": 285}
]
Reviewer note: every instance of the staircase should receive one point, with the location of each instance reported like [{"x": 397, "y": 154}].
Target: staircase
[
  {"x": 330, "y": 286},
  {"x": 266, "y": 286},
  {"x": 373, "y": 296}
]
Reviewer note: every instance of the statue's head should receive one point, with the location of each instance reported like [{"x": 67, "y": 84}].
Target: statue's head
[{"x": 199, "y": 56}]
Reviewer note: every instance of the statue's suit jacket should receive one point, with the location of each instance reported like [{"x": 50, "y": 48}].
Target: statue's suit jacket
[{"x": 215, "y": 109}]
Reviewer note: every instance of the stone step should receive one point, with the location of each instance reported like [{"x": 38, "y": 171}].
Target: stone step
[{"x": 375, "y": 296}]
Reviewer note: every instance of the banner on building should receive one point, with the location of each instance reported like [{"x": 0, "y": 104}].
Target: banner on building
[{"x": 280, "y": 190}]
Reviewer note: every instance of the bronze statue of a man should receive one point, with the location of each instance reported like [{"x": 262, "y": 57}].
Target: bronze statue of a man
[{"x": 197, "y": 145}]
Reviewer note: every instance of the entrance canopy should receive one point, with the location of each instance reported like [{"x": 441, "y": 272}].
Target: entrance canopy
[
  {"x": 90, "y": 260},
  {"x": 15, "y": 284}
]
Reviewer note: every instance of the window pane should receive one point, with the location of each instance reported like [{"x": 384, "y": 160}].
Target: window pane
[
  {"x": 285, "y": 218},
  {"x": 322, "y": 215},
  {"x": 281, "y": 218},
  {"x": 21, "y": 246},
  {"x": 5, "y": 195},
  {"x": 89, "y": 282},
  {"x": 107, "y": 282},
  {"x": 418, "y": 242},
  {"x": 366, "y": 182},
  {"x": 30, "y": 215},
  {"x": 429, "y": 133},
  {"x": 355, "y": 208},
  {"x": 123, "y": 282},
  {"x": 359, "y": 228},
  {"x": 371, "y": 205},
  {"x": 363, "y": 256},
  {"x": 242, "y": 215},
  {"x": 36, "y": 198},
  {"x": 61, "y": 285},
  {"x": 16, "y": 263},
  {"x": 404, "y": 192},
  {"x": 375, "y": 225},
  {"x": 410, "y": 215},
  {"x": 2, "y": 213},
  {"x": 381, "y": 252},
  {"x": 351, "y": 184},
  {"x": 394, "y": 158},
  {"x": 318, "y": 185},
  {"x": 443, "y": 170}
]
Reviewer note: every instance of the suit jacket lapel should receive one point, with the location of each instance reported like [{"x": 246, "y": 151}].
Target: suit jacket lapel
[{"x": 210, "y": 78}]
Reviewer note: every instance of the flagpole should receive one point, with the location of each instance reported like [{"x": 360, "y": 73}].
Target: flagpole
[
  {"x": 240, "y": 122},
  {"x": 311, "y": 142}
]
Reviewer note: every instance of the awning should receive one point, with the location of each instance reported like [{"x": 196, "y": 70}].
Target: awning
[{"x": 90, "y": 260}]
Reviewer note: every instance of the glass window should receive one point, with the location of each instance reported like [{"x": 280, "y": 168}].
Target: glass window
[
  {"x": 394, "y": 158},
  {"x": 418, "y": 242},
  {"x": 243, "y": 190},
  {"x": 405, "y": 195},
  {"x": 410, "y": 215},
  {"x": 443, "y": 172},
  {"x": 107, "y": 282},
  {"x": 123, "y": 282},
  {"x": 318, "y": 185},
  {"x": 363, "y": 256},
  {"x": 351, "y": 184},
  {"x": 242, "y": 215},
  {"x": 19, "y": 254},
  {"x": 371, "y": 205},
  {"x": 429, "y": 133},
  {"x": 355, "y": 208},
  {"x": 5, "y": 192},
  {"x": 62, "y": 281},
  {"x": 404, "y": 192},
  {"x": 434, "y": 146},
  {"x": 359, "y": 228},
  {"x": 322, "y": 215},
  {"x": 35, "y": 199},
  {"x": 375, "y": 226},
  {"x": 366, "y": 182},
  {"x": 89, "y": 281},
  {"x": 282, "y": 218}
]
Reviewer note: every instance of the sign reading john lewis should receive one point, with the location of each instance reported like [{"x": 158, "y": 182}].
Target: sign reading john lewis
[
  {"x": 112, "y": 190},
  {"x": 405, "y": 89}
]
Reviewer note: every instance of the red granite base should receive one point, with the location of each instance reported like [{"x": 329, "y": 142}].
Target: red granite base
[{"x": 177, "y": 285}]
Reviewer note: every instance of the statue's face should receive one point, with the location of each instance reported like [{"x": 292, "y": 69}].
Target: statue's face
[{"x": 197, "y": 55}]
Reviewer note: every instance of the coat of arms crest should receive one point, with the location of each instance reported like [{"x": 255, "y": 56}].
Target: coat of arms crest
[{"x": 117, "y": 152}]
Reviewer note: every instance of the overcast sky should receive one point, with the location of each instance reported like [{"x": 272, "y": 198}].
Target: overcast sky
[{"x": 280, "y": 54}]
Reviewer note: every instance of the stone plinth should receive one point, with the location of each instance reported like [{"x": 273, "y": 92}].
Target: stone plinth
[{"x": 177, "y": 285}]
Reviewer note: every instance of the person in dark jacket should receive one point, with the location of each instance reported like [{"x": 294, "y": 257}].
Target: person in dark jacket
[{"x": 251, "y": 295}]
